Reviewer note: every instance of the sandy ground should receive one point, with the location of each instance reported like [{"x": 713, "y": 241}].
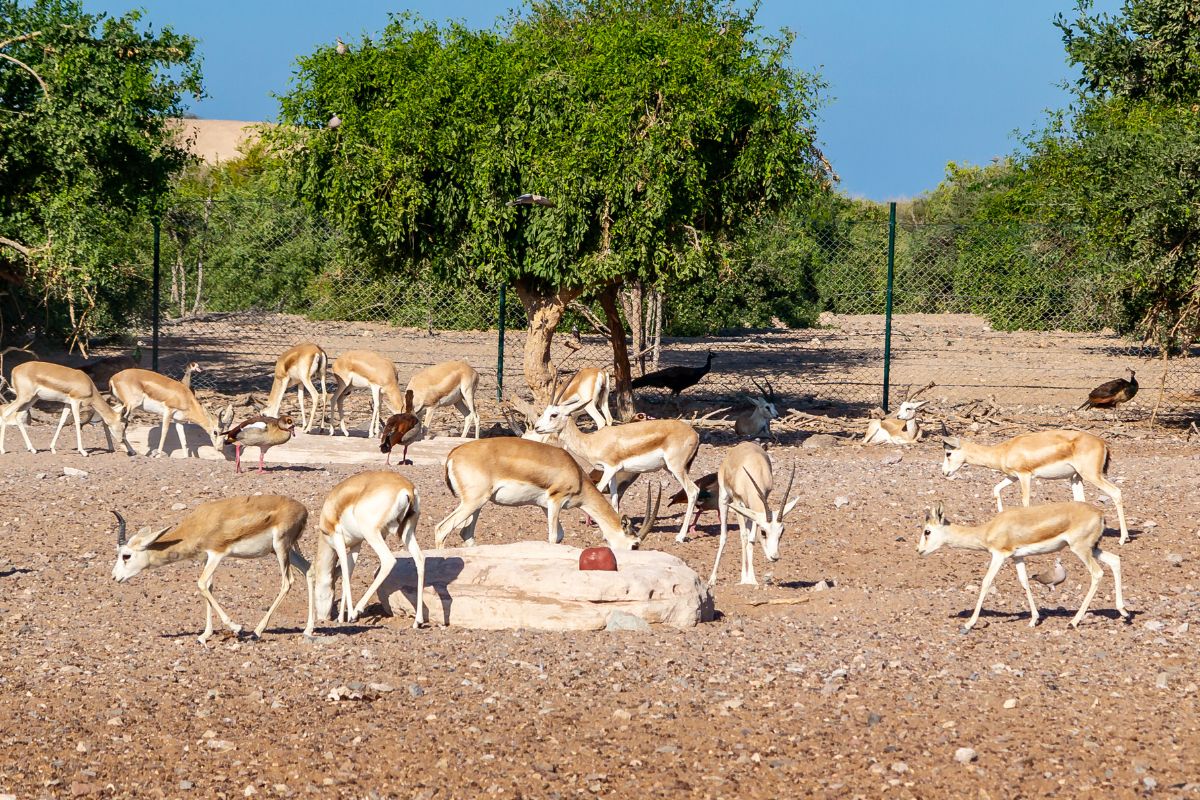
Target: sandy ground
[{"x": 861, "y": 689}]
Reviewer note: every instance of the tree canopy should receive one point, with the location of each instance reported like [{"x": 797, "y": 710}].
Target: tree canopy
[
  {"x": 84, "y": 143},
  {"x": 657, "y": 128}
]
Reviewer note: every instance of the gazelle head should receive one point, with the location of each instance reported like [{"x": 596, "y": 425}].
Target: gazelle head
[
  {"x": 908, "y": 410},
  {"x": 223, "y": 421},
  {"x": 556, "y": 416},
  {"x": 771, "y": 522},
  {"x": 637, "y": 535},
  {"x": 955, "y": 457},
  {"x": 766, "y": 403},
  {"x": 934, "y": 534},
  {"x": 133, "y": 555}
]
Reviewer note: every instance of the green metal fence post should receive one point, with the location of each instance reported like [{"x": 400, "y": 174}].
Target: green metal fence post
[
  {"x": 154, "y": 311},
  {"x": 887, "y": 314},
  {"x": 500, "y": 346}
]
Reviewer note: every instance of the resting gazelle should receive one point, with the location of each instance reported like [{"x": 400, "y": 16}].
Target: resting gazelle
[
  {"x": 1053, "y": 455},
  {"x": 1021, "y": 532},
  {"x": 744, "y": 483},
  {"x": 902, "y": 429}
]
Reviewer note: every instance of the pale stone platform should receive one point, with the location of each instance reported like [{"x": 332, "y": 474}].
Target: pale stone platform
[{"x": 310, "y": 448}]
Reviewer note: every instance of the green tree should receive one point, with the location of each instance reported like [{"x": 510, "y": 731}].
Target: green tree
[
  {"x": 84, "y": 144},
  {"x": 657, "y": 128}
]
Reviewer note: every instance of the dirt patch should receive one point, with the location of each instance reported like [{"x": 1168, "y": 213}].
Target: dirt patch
[{"x": 858, "y": 689}]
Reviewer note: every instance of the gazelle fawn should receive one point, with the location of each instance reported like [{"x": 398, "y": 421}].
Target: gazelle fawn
[
  {"x": 1021, "y": 532},
  {"x": 366, "y": 508},
  {"x": 744, "y": 483},
  {"x": 1053, "y": 455},
  {"x": 236, "y": 527}
]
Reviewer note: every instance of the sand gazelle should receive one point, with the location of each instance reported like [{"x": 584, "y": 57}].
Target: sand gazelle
[
  {"x": 235, "y": 527},
  {"x": 903, "y": 429},
  {"x": 756, "y": 421},
  {"x": 41, "y": 380},
  {"x": 1021, "y": 532},
  {"x": 520, "y": 472},
  {"x": 1047, "y": 454},
  {"x": 157, "y": 394},
  {"x": 366, "y": 508},
  {"x": 297, "y": 367},
  {"x": 450, "y": 383},
  {"x": 587, "y": 391},
  {"x": 634, "y": 447},
  {"x": 364, "y": 369},
  {"x": 744, "y": 483}
]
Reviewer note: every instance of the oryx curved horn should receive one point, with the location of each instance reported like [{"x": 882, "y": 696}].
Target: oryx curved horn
[
  {"x": 787, "y": 491},
  {"x": 761, "y": 494},
  {"x": 120, "y": 529}
]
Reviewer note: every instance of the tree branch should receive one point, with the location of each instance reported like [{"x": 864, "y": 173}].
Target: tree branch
[
  {"x": 592, "y": 319},
  {"x": 20, "y": 248},
  {"x": 24, "y": 66}
]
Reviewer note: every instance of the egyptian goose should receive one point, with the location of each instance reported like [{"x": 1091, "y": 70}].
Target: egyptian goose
[
  {"x": 261, "y": 432},
  {"x": 401, "y": 429}
]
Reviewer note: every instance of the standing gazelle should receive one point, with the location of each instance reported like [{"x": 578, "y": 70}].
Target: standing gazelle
[
  {"x": 1047, "y": 454},
  {"x": 41, "y": 380},
  {"x": 520, "y": 472},
  {"x": 634, "y": 447},
  {"x": 364, "y": 369},
  {"x": 744, "y": 483},
  {"x": 297, "y": 367},
  {"x": 236, "y": 527},
  {"x": 587, "y": 391},
  {"x": 366, "y": 508},
  {"x": 157, "y": 394},
  {"x": 452, "y": 383},
  {"x": 1021, "y": 532}
]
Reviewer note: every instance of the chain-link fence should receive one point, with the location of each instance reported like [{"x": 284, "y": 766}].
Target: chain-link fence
[{"x": 981, "y": 312}]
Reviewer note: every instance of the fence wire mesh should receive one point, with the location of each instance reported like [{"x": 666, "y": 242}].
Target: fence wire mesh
[{"x": 995, "y": 312}]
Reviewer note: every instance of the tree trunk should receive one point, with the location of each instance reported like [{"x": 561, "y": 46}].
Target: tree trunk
[
  {"x": 544, "y": 310},
  {"x": 609, "y": 301},
  {"x": 633, "y": 301}
]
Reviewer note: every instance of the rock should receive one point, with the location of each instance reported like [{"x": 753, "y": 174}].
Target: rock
[
  {"x": 1150, "y": 784},
  {"x": 899, "y": 767},
  {"x": 1174, "y": 559},
  {"x": 538, "y": 586},
  {"x": 185, "y": 785},
  {"x": 841, "y": 500},
  {"x": 891, "y": 458},
  {"x": 1161, "y": 681},
  {"x": 1155, "y": 625},
  {"x": 819, "y": 440},
  {"x": 71, "y": 472},
  {"x": 622, "y": 714},
  {"x": 178, "y": 506},
  {"x": 820, "y": 586},
  {"x": 965, "y": 755},
  {"x": 873, "y": 719},
  {"x": 415, "y": 690},
  {"x": 622, "y": 621},
  {"x": 1010, "y": 702}
]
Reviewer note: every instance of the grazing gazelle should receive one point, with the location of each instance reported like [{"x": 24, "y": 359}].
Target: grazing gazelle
[
  {"x": 452, "y": 383},
  {"x": 520, "y": 472},
  {"x": 634, "y": 447},
  {"x": 41, "y": 380},
  {"x": 297, "y": 367},
  {"x": 1047, "y": 454},
  {"x": 158, "y": 394},
  {"x": 366, "y": 508},
  {"x": 364, "y": 369},
  {"x": 587, "y": 391},
  {"x": 236, "y": 527},
  {"x": 1021, "y": 532},
  {"x": 903, "y": 429},
  {"x": 744, "y": 483}
]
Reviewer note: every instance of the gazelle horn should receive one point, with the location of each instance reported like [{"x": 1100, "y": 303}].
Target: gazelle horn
[
  {"x": 761, "y": 494},
  {"x": 788, "y": 490},
  {"x": 120, "y": 529},
  {"x": 651, "y": 513}
]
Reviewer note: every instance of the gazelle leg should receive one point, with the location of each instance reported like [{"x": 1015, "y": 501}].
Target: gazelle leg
[
  {"x": 300, "y": 400},
  {"x": 693, "y": 494},
  {"x": 314, "y": 405},
  {"x": 1077, "y": 488},
  {"x": 386, "y": 562},
  {"x": 554, "y": 527},
  {"x": 994, "y": 567},
  {"x": 285, "y": 584},
  {"x": 205, "y": 579},
  {"x": 1114, "y": 564},
  {"x": 1114, "y": 494},
  {"x": 414, "y": 549},
  {"x": 608, "y": 483},
  {"x": 208, "y": 616},
  {"x": 339, "y": 546},
  {"x": 337, "y": 406},
  {"x": 376, "y": 410},
  {"x": 457, "y": 518},
  {"x": 748, "y": 530},
  {"x": 62, "y": 421},
  {"x": 1023, "y": 577},
  {"x": 299, "y": 562},
  {"x": 723, "y": 511},
  {"x": 1097, "y": 572},
  {"x": 1026, "y": 481},
  {"x": 594, "y": 413},
  {"x": 162, "y": 435},
  {"x": 429, "y": 422},
  {"x": 1001, "y": 486},
  {"x": 78, "y": 428}
]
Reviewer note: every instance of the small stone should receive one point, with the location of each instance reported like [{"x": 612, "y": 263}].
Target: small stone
[
  {"x": 71, "y": 472},
  {"x": 1149, "y": 783},
  {"x": 381, "y": 688},
  {"x": 965, "y": 755},
  {"x": 1155, "y": 625},
  {"x": 1161, "y": 681},
  {"x": 623, "y": 621},
  {"x": 820, "y": 586},
  {"x": 1010, "y": 702},
  {"x": 1174, "y": 559},
  {"x": 79, "y": 789},
  {"x": 116, "y": 722},
  {"x": 178, "y": 506},
  {"x": 185, "y": 785},
  {"x": 873, "y": 719},
  {"x": 416, "y": 690},
  {"x": 841, "y": 500},
  {"x": 819, "y": 440},
  {"x": 249, "y": 791},
  {"x": 622, "y": 714},
  {"x": 899, "y": 767},
  {"x": 891, "y": 458},
  {"x": 81, "y": 747}
]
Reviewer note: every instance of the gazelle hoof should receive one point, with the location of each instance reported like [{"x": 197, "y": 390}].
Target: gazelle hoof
[{"x": 681, "y": 537}]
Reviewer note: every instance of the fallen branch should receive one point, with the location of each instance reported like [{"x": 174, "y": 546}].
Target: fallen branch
[{"x": 779, "y": 601}]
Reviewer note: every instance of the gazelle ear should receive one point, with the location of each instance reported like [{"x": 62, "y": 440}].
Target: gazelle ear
[
  {"x": 746, "y": 512},
  {"x": 952, "y": 442},
  {"x": 939, "y": 512},
  {"x": 788, "y": 508},
  {"x": 146, "y": 537}
]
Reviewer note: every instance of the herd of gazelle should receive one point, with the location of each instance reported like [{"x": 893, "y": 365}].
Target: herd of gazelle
[{"x": 532, "y": 471}]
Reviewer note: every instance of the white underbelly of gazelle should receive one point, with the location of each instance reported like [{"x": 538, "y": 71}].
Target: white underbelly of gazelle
[
  {"x": 1048, "y": 546},
  {"x": 1054, "y": 471},
  {"x": 646, "y": 462},
  {"x": 519, "y": 494}
]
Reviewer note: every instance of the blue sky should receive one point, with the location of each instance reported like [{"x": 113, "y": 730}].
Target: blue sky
[{"x": 912, "y": 85}]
